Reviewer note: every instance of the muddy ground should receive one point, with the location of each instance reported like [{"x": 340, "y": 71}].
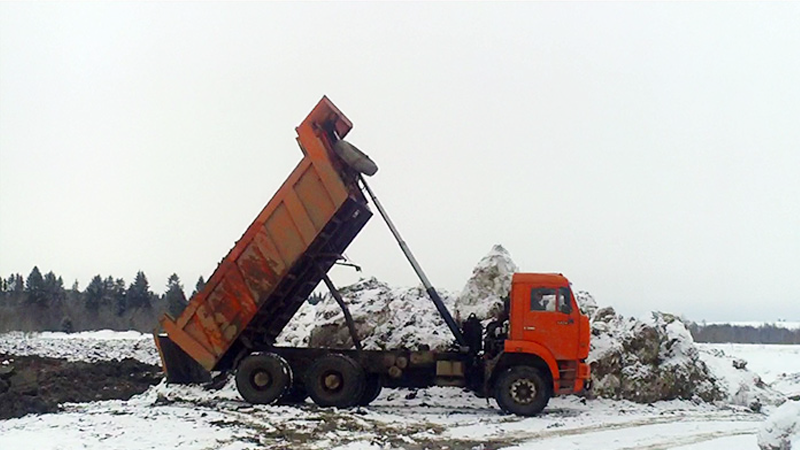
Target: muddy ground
[{"x": 34, "y": 384}]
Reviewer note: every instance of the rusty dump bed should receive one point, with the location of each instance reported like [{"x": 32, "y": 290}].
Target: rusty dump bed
[{"x": 279, "y": 260}]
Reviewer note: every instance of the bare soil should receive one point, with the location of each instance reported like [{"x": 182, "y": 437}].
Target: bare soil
[{"x": 34, "y": 384}]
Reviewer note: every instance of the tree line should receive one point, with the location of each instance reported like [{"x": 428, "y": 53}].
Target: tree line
[
  {"x": 762, "y": 334},
  {"x": 42, "y": 303}
]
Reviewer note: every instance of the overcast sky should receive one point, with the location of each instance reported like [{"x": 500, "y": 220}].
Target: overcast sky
[{"x": 650, "y": 152}]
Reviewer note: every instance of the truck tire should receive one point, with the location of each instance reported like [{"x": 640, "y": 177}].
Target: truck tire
[
  {"x": 335, "y": 380},
  {"x": 263, "y": 378},
  {"x": 296, "y": 394},
  {"x": 372, "y": 389},
  {"x": 521, "y": 390}
]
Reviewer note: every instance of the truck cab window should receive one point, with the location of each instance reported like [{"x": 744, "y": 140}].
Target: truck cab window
[
  {"x": 564, "y": 300},
  {"x": 543, "y": 299}
]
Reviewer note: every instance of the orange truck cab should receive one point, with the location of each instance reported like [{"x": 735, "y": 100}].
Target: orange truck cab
[{"x": 546, "y": 335}]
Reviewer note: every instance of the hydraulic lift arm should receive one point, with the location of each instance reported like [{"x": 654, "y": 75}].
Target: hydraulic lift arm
[{"x": 448, "y": 318}]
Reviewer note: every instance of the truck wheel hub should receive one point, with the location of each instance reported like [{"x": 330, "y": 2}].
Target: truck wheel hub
[
  {"x": 262, "y": 379},
  {"x": 332, "y": 381},
  {"x": 523, "y": 391}
]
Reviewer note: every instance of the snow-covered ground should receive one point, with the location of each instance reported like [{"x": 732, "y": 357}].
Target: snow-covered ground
[
  {"x": 188, "y": 417},
  {"x": 103, "y": 345}
]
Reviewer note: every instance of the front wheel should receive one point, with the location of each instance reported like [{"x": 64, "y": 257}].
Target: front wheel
[{"x": 521, "y": 390}]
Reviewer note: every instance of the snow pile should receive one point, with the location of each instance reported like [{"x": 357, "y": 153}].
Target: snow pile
[
  {"x": 384, "y": 317},
  {"x": 741, "y": 385},
  {"x": 103, "y": 345},
  {"x": 387, "y": 317},
  {"x": 760, "y": 358},
  {"x": 298, "y": 331},
  {"x": 489, "y": 284},
  {"x": 647, "y": 360},
  {"x": 586, "y": 302},
  {"x": 781, "y": 430}
]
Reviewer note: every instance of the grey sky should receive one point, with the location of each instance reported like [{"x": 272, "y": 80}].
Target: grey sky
[{"x": 650, "y": 152}]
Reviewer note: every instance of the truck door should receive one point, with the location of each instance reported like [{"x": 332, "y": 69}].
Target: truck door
[{"x": 550, "y": 320}]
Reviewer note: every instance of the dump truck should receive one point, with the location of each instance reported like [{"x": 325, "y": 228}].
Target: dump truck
[{"x": 535, "y": 349}]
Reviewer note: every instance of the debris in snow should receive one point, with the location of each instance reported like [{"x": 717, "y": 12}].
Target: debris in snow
[
  {"x": 647, "y": 361},
  {"x": 781, "y": 430}
]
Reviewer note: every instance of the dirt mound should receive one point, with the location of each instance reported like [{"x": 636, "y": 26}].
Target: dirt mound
[{"x": 34, "y": 384}]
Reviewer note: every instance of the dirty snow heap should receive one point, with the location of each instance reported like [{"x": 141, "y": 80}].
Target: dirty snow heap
[{"x": 647, "y": 360}]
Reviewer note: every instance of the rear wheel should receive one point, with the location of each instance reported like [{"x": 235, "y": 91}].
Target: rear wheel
[
  {"x": 372, "y": 389},
  {"x": 263, "y": 378},
  {"x": 335, "y": 380},
  {"x": 522, "y": 390}
]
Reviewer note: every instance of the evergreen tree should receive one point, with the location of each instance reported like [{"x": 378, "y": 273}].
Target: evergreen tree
[
  {"x": 94, "y": 293},
  {"x": 175, "y": 298},
  {"x": 119, "y": 295},
  {"x": 19, "y": 285},
  {"x": 201, "y": 283},
  {"x": 34, "y": 287},
  {"x": 54, "y": 288},
  {"x": 16, "y": 285},
  {"x": 139, "y": 295},
  {"x": 109, "y": 287}
]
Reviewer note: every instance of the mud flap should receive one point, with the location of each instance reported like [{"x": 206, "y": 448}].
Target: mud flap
[{"x": 179, "y": 367}]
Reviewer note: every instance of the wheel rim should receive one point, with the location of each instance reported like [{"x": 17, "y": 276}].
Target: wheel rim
[
  {"x": 261, "y": 380},
  {"x": 332, "y": 381},
  {"x": 523, "y": 391}
]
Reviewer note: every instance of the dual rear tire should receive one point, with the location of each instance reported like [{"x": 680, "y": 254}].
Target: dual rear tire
[{"x": 332, "y": 380}]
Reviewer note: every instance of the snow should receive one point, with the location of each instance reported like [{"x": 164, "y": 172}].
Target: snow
[
  {"x": 781, "y": 430},
  {"x": 743, "y": 385},
  {"x": 119, "y": 425},
  {"x": 775, "y": 364},
  {"x": 105, "y": 345},
  {"x": 490, "y": 282}
]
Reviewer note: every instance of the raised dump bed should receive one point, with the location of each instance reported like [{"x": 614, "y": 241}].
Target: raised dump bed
[{"x": 277, "y": 263}]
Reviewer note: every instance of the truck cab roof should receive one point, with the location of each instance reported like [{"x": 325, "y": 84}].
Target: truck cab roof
[{"x": 541, "y": 279}]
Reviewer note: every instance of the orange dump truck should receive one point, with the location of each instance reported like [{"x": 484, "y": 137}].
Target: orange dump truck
[{"x": 535, "y": 349}]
